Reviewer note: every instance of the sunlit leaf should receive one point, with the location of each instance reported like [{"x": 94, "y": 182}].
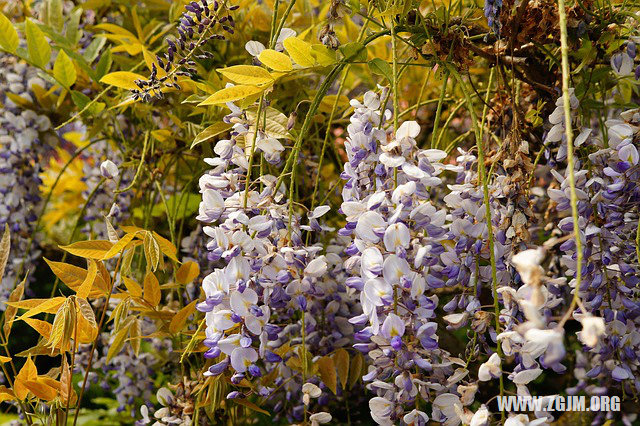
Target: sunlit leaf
[
  {"x": 187, "y": 272},
  {"x": 247, "y": 74},
  {"x": 122, "y": 79},
  {"x": 38, "y": 306},
  {"x": 232, "y": 94},
  {"x": 152, "y": 292},
  {"x": 86, "y": 286},
  {"x": 8, "y": 35},
  {"x": 151, "y": 251},
  {"x": 63, "y": 70},
  {"x": 300, "y": 51},
  {"x": 210, "y": 132},
  {"x": 37, "y": 45},
  {"x": 118, "y": 246},
  {"x": 341, "y": 360},
  {"x": 133, "y": 287},
  {"x": 93, "y": 249},
  {"x": 275, "y": 60},
  {"x": 178, "y": 321}
]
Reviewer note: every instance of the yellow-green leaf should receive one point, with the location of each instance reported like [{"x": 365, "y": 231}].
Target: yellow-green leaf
[
  {"x": 232, "y": 94},
  {"x": 177, "y": 322},
  {"x": 188, "y": 272},
  {"x": 341, "y": 359},
  {"x": 324, "y": 56},
  {"x": 275, "y": 60},
  {"x": 87, "y": 284},
  {"x": 210, "y": 132},
  {"x": 5, "y": 246},
  {"x": 56, "y": 20},
  {"x": 152, "y": 293},
  {"x": 247, "y": 74},
  {"x": 134, "y": 335},
  {"x": 8, "y": 35},
  {"x": 151, "y": 251},
  {"x": 250, "y": 405},
  {"x": 117, "y": 343},
  {"x": 92, "y": 249},
  {"x": 300, "y": 51},
  {"x": 327, "y": 371},
  {"x": 63, "y": 70},
  {"x": 122, "y": 79},
  {"x": 38, "y": 46}
]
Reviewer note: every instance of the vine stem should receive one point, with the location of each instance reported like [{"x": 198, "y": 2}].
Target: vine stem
[
  {"x": 276, "y": 34},
  {"x": 482, "y": 171},
  {"x": 95, "y": 341},
  {"x": 568, "y": 131}
]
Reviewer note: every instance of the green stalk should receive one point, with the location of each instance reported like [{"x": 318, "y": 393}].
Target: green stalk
[
  {"x": 568, "y": 131},
  {"x": 439, "y": 108},
  {"x": 484, "y": 178}
]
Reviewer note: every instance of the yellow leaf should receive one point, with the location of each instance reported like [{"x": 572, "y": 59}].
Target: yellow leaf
[
  {"x": 152, "y": 293},
  {"x": 275, "y": 60},
  {"x": 8, "y": 35},
  {"x": 327, "y": 371},
  {"x": 247, "y": 74},
  {"x": 10, "y": 313},
  {"x": 300, "y": 51},
  {"x": 341, "y": 359},
  {"x": 63, "y": 70},
  {"x": 134, "y": 339},
  {"x": 177, "y": 322},
  {"x": 250, "y": 405},
  {"x": 87, "y": 284},
  {"x": 42, "y": 327},
  {"x": 6, "y": 394},
  {"x": 87, "y": 312},
  {"x": 122, "y": 79},
  {"x": 4, "y": 359},
  {"x": 38, "y": 46},
  {"x": 210, "y": 132},
  {"x": 119, "y": 246},
  {"x": 188, "y": 272},
  {"x": 232, "y": 94},
  {"x": 117, "y": 344},
  {"x": 42, "y": 388},
  {"x": 73, "y": 276},
  {"x": 38, "y": 306},
  {"x": 166, "y": 246},
  {"x": 151, "y": 251},
  {"x": 355, "y": 371},
  {"x": 134, "y": 288},
  {"x": 27, "y": 373},
  {"x": 5, "y": 246},
  {"x": 91, "y": 249}
]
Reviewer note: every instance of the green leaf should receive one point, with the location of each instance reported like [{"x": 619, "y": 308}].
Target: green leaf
[
  {"x": 232, "y": 94},
  {"x": 8, "y": 35},
  {"x": 104, "y": 64},
  {"x": 63, "y": 70},
  {"x": 81, "y": 101},
  {"x": 300, "y": 51},
  {"x": 210, "y": 132},
  {"x": 56, "y": 20},
  {"x": 323, "y": 55},
  {"x": 182, "y": 205},
  {"x": 275, "y": 60},
  {"x": 247, "y": 74},
  {"x": 37, "y": 45},
  {"x": 380, "y": 67},
  {"x": 72, "y": 34},
  {"x": 354, "y": 52}
]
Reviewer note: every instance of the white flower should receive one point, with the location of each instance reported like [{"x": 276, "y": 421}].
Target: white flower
[
  {"x": 254, "y": 47},
  {"x": 393, "y": 326},
  {"x": 367, "y": 223},
  {"x": 527, "y": 263},
  {"x": 408, "y": 129},
  {"x": 309, "y": 390},
  {"x": 592, "y": 329},
  {"x": 317, "y": 267},
  {"x": 456, "y": 320},
  {"x": 526, "y": 376},
  {"x": 242, "y": 358},
  {"x": 380, "y": 407},
  {"x": 490, "y": 369},
  {"x": 109, "y": 170},
  {"x": 394, "y": 269},
  {"x": 481, "y": 417},
  {"x": 371, "y": 263},
  {"x": 415, "y": 416},
  {"x": 320, "y": 418},
  {"x": 396, "y": 235}
]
